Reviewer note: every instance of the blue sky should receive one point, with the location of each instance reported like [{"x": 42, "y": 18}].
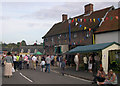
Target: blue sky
[{"x": 30, "y": 21}]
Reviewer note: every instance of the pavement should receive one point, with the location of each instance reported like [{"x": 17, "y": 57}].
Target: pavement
[
  {"x": 71, "y": 71},
  {"x": 80, "y": 74}
]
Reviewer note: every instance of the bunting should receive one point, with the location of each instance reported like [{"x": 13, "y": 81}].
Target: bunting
[
  {"x": 116, "y": 17},
  {"x": 99, "y": 19},
  {"x": 92, "y": 19}
]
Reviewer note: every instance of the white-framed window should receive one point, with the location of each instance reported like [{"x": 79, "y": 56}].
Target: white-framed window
[
  {"x": 74, "y": 35},
  {"x": 52, "y": 39},
  {"x": 59, "y": 36}
]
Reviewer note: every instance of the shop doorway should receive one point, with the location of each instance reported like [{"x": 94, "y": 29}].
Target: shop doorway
[{"x": 114, "y": 60}]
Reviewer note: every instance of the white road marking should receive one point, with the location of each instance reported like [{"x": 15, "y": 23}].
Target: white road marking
[
  {"x": 72, "y": 76},
  {"x": 26, "y": 78}
]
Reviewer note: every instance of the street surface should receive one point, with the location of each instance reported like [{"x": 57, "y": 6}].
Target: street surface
[{"x": 28, "y": 76}]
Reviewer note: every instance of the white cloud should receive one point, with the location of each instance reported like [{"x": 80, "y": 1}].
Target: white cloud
[{"x": 32, "y": 25}]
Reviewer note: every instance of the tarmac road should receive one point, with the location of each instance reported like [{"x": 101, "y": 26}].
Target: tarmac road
[{"x": 28, "y": 76}]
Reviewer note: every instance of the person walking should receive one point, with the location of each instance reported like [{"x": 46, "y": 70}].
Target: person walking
[
  {"x": 25, "y": 61},
  {"x": 97, "y": 63},
  {"x": 8, "y": 65},
  {"x": 34, "y": 59},
  {"x": 52, "y": 60},
  {"x": 63, "y": 64},
  {"x": 76, "y": 60},
  {"x": 61, "y": 59},
  {"x": 20, "y": 62},
  {"x": 58, "y": 60},
  {"x": 85, "y": 60},
  {"x": 39, "y": 59},
  {"x": 42, "y": 64},
  {"x": 30, "y": 62},
  {"x": 55, "y": 60},
  {"x": 15, "y": 62},
  {"x": 48, "y": 61}
]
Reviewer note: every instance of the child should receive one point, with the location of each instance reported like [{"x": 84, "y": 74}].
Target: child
[{"x": 42, "y": 64}]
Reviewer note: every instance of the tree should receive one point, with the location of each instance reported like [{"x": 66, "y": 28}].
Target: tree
[
  {"x": 23, "y": 43},
  {"x": 18, "y": 44}
]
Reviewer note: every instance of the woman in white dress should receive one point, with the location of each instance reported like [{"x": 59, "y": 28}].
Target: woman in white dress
[
  {"x": 90, "y": 63},
  {"x": 8, "y": 65}
]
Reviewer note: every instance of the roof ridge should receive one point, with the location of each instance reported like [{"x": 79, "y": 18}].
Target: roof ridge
[{"x": 95, "y": 11}]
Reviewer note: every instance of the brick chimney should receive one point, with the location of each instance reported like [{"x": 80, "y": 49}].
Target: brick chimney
[
  {"x": 64, "y": 17},
  {"x": 88, "y": 8}
]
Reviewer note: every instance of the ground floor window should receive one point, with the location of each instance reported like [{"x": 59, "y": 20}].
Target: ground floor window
[{"x": 58, "y": 50}]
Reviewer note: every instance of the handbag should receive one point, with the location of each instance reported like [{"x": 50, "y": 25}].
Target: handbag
[{"x": 13, "y": 70}]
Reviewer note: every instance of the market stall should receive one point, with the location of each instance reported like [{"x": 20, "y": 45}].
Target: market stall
[{"x": 104, "y": 48}]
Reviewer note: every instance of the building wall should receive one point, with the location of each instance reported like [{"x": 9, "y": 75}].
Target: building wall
[
  {"x": 107, "y": 37},
  {"x": 63, "y": 41},
  {"x": 64, "y": 48},
  {"x": 105, "y": 54}
]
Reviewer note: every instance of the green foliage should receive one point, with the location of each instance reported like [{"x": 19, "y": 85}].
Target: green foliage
[
  {"x": 115, "y": 65},
  {"x": 23, "y": 43}
]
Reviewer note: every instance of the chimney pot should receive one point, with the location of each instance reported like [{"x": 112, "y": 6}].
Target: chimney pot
[
  {"x": 64, "y": 17},
  {"x": 88, "y": 8}
]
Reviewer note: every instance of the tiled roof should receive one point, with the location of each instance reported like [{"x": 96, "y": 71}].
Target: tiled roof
[
  {"x": 110, "y": 24},
  {"x": 62, "y": 27}
]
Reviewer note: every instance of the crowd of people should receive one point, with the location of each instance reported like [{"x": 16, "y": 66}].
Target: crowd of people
[
  {"x": 15, "y": 62},
  {"x": 92, "y": 63}
]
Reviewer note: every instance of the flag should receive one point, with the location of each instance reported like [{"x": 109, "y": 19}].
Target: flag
[
  {"x": 90, "y": 20},
  {"x": 116, "y": 17},
  {"x": 111, "y": 18},
  {"x": 102, "y": 19},
  {"x": 84, "y": 38},
  {"x": 80, "y": 20},
  {"x": 84, "y": 28},
  {"x": 72, "y": 20},
  {"x": 89, "y": 29},
  {"x": 76, "y": 23},
  {"x": 94, "y": 20},
  {"x": 87, "y": 20},
  {"x": 84, "y": 20},
  {"x": 106, "y": 18},
  {"x": 76, "y": 19},
  {"x": 80, "y": 25},
  {"x": 99, "y": 19},
  {"x": 80, "y": 41}
]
